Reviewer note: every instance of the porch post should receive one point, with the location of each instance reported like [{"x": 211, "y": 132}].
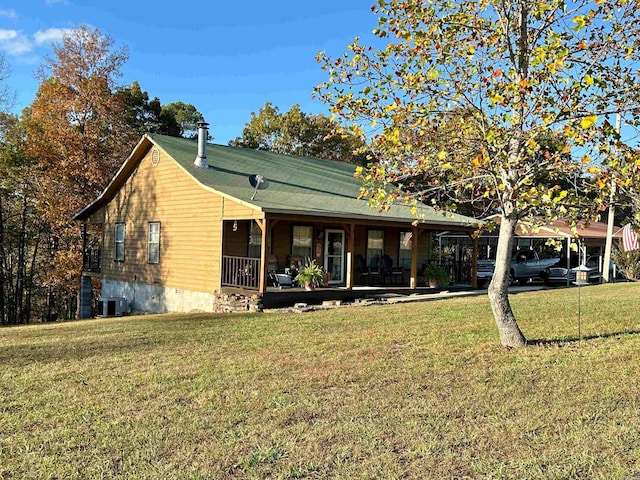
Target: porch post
[
  {"x": 350, "y": 231},
  {"x": 262, "y": 223},
  {"x": 413, "y": 282},
  {"x": 474, "y": 263}
]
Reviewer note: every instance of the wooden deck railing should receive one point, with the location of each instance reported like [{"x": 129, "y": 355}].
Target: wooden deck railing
[
  {"x": 91, "y": 260},
  {"x": 241, "y": 272}
]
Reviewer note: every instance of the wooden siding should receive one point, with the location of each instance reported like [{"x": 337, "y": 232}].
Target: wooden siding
[
  {"x": 234, "y": 210},
  {"x": 191, "y": 228},
  {"x": 236, "y": 244}
]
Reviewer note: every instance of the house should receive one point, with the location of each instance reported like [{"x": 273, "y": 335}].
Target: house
[{"x": 183, "y": 222}]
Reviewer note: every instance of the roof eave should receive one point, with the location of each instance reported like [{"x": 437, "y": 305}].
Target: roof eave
[
  {"x": 116, "y": 182},
  {"x": 444, "y": 223}
]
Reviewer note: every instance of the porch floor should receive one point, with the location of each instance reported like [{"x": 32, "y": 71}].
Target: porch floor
[{"x": 286, "y": 297}]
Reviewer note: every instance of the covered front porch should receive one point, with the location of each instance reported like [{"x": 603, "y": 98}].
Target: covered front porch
[{"x": 359, "y": 258}]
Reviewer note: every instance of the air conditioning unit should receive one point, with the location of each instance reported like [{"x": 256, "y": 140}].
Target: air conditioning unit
[{"x": 112, "y": 306}]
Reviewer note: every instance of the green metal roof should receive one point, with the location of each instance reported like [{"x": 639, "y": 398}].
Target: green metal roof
[{"x": 296, "y": 185}]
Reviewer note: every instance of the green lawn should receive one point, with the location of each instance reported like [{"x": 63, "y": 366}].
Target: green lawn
[{"x": 419, "y": 390}]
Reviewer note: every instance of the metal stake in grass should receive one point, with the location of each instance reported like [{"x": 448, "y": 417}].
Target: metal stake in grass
[
  {"x": 582, "y": 278},
  {"x": 579, "y": 317}
]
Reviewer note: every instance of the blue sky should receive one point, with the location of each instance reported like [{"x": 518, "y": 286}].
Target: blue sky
[{"x": 226, "y": 58}]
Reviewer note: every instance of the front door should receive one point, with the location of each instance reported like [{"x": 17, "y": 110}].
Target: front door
[{"x": 334, "y": 255}]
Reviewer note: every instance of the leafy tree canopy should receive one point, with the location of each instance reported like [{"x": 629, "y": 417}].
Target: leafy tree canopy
[
  {"x": 177, "y": 119},
  {"x": 185, "y": 115},
  {"x": 297, "y": 133},
  {"x": 458, "y": 103}
]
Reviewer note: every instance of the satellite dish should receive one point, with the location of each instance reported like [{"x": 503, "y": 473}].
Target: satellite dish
[{"x": 258, "y": 182}]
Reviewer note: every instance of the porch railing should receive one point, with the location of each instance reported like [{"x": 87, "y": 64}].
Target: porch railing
[
  {"x": 241, "y": 272},
  {"x": 91, "y": 260}
]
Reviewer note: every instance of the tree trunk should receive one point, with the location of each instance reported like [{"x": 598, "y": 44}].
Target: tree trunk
[
  {"x": 510, "y": 334},
  {"x": 21, "y": 270},
  {"x": 32, "y": 270},
  {"x": 3, "y": 316}
]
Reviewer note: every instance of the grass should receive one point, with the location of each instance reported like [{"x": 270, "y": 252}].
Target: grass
[{"x": 419, "y": 390}]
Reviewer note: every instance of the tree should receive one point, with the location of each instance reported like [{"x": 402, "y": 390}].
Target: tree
[
  {"x": 143, "y": 115},
  {"x": 6, "y": 94},
  {"x": 456, "y": 103},
  {"x": 297, "y": 133},
  {"x": 78, "y": 133},
  {"x": 185, "y": 115},
  {"x": 21, "y": 229}
]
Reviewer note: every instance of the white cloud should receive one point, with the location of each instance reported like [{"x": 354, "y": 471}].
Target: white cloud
[
  {"x": 14, "y": 42},
  {"x": 6, "y": 35},
  {"x": 8, "y": 13},
  {"x": 50, "y": 35}
]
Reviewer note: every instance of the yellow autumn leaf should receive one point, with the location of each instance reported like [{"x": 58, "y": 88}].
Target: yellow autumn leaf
[
  {"x": 442, "y": 155},
  {"x": 586, "y": 122},
  {"x": 586, "y": 159}
]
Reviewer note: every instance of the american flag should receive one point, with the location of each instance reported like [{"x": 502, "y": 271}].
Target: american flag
[{"x": 629, "y": 238}]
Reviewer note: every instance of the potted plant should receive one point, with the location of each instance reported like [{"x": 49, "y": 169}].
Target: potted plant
[
  {"x": 310, "y": 275},
  {"x": 435, "y": 276}
]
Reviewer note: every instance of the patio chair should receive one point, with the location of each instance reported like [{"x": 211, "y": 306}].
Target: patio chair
[
  {"x": 363, "y": 271},
  {"x": 388, "y": 271},
  {"x": 275, "y": 276},
  {"x": 371, "y": 274}
]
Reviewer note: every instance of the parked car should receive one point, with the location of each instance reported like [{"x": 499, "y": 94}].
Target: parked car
[
  {"x": 558, "y": 274},
  {"x": 525, "y": 265}
]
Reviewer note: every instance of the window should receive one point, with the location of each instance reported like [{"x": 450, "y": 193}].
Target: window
[
  {"x": 119, "y": 250},
  {"x": 153, "y": 251},
  {"x": 375, "y": 247},
  {"x": 302, "y": 242},
  {"x": 404, "y": 254},
  {"x": 255, "y": 241}
]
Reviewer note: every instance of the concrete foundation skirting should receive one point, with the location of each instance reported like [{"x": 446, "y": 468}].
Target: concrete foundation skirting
[{"x": 158, "y": 299}]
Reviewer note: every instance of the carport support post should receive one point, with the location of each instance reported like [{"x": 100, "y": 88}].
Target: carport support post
[
  {"x": 610, "y": 220},
  {"x": 568, "y": 261},
  {"x": 474, "y": 263}
]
